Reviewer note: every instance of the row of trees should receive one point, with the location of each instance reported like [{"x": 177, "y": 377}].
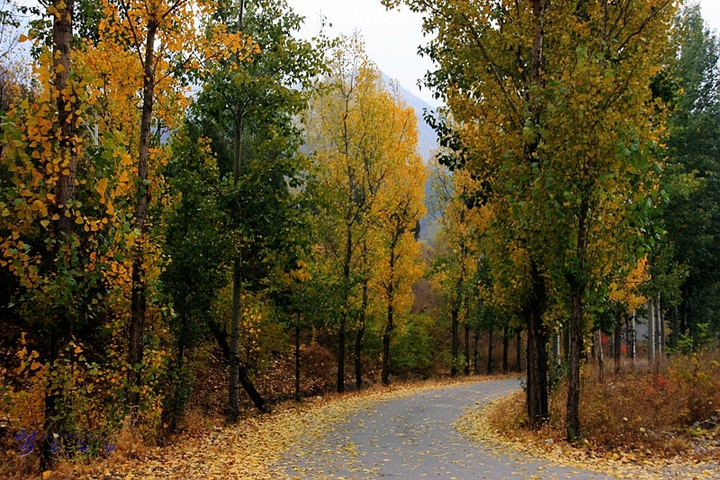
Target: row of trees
[
  {"x": 182, "y": 172},
  {"x": 578, "y": 125},
  {"x": 188, "y": 177}
]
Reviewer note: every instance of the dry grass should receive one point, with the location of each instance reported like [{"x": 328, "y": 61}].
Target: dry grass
[{"x": 667, "y": 412}]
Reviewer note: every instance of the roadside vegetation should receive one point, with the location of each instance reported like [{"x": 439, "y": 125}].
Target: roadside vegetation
[{"x": 668, "y": 412}]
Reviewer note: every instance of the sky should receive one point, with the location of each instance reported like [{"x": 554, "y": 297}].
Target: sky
[{"x": 392, "y": 37}]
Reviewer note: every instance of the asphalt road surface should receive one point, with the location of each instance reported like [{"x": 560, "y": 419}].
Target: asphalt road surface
[{"x": 414, "y": 438}]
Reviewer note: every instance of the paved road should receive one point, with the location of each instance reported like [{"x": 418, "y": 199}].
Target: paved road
[{"x": 413, "y": 437}]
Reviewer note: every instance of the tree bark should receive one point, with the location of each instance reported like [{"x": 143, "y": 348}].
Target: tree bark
[
  {"x": 340, "y": 381},
  {"x": 454, "y": 325},
  {"x": 518, "y": 351},
  {"x": 506, "y": 340},
  {"x": 66, "y": 127},
  {"x": 476, "y": 353},
  {"x": 617, "y": 343},
  {"x": 577, "y": 289},
  {"x": 221, "y": 335},
  {"x": 138, "y": 301},
  {"x": 660, "y": 326},
  {"x": 359, "y": 337},
  {"x": 491, "y": 350},
  {"x": 600, "y": 357},
  {"x": 297, "y": 358},
  {"x": 466, "y": 370},
  {"x": 537, "y": 362},
  {"x": 651, "y": 330},
  {"x": 234, "y": 386},
  {"x": 632, "y": 339}
]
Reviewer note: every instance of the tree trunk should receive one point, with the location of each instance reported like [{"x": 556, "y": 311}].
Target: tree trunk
[
  {"x": 491, "y": 350},
  {"x": 138, "y": 301},
  {"x": 221, "y": 337},
  {"x": 65, "y": 127},
  {"x": 234, "y": 384},
  {"x": 297, "y": 358},
  {"x": 674, "y": 327},
  {"x": 651, "y": 330},
  {"x": 506, "y": 340},
  {"x": 389, "y": 327},
  {"x": 632, "y": 341},
  {"x": 476, "y": 354},
  {"x": 576, "y": 282},
  {"x": 617, "y": 343},
  {"x": 576, "y": 348},
  {"x": 557, "y": 355},
  {"x": 454, "y": 346},
  {"x": 466, "y": 370},
  {"x": 343, "y": 317},
  {"x": 518, "y": 351},
  {"x": 660, "y": 326},
  {"x": 600, "y": 357},
  {"x": 359, "y": 337},
  {"x": 537, "y": 362}
]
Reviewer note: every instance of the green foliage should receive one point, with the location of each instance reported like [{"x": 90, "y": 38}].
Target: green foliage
[{"x": 692, "y": 217}]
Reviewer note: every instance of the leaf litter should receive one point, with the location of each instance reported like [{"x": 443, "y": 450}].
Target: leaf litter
[{"x": 476, "y": 424}]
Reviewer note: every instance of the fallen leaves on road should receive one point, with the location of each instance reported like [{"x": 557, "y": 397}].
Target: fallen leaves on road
[{"x": 247, "y": 450}]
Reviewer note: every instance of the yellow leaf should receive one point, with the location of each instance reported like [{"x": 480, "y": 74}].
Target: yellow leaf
[
  {"x": 78, "y": 350},
  {"x": 101, "y": 186},
  {"x": 35, "y": 365}
]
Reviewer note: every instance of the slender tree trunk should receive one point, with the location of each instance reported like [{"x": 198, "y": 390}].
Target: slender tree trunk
[
  {"x": 491, "y": 350},
  {"x": 660, "y": 326},
  {"x": 577, "y": 289},
  {"x": 476, "y": 353},
  {"x": 234, "y": 383},
  {"x": 651, "y": 330},
  {"x": 557, "y": 356},
  {"x": 600, "y": 357},
  {"x": 66, "y": 127},
  {"x": 537, "y": 362},
  {"x": 576, "y": 348},
  {"x": 343, "y": 317},
  {"x": 674, "y": 327},
  {"x": 234, "y": 386},
  {"x": 248, "y": 386},
  {"x": 518, "y": 351},
  {"x": 466, "y": 370},
  {"x": 454, "y": 325},
  {"x": 390, "y": 326},
  {"x": 617, "y": 343},
  {"x": 360, "y": 334},
  {"x": 632, "y": 339},
  {"x": 297, "y": 358},
  {"x": 138, "y": 301},
  {"x": 506, "y": 340}
]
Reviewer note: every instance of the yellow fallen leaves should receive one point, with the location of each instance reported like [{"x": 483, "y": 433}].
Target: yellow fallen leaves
[
  {"x": 249, "y": 449},
  {"x": 475, "y": 424}
]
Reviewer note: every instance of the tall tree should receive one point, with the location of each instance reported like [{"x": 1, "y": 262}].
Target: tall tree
[
  {"x": 248, "y": 108},
  {"x": 554, "y": 105},
  {"x": 358, "y": 135},
  {"x": 692, "y": 217}
]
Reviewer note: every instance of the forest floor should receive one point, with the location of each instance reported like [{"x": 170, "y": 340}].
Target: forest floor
[{"x": 326, "y": 437}]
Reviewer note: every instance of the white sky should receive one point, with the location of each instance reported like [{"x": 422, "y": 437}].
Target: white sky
[{"x": 392, "y": 37}]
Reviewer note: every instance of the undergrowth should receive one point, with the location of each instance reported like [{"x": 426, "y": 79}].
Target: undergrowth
[{"x": 667, "y": 410}]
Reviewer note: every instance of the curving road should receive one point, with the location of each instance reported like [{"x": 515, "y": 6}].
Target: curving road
[{"x": 414, "y": 437}]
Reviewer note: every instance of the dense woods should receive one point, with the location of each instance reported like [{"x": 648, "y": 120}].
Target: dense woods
[{"x": 201, "y": 211}]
